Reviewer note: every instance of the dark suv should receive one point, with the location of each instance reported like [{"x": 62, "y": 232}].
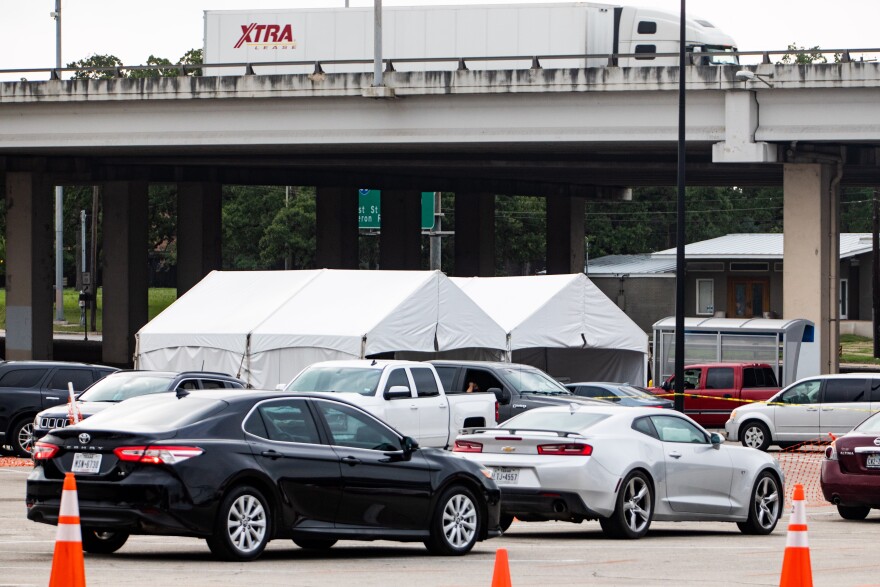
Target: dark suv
[
  {"x": 27, "y": 387},
  {"x": 123, "y": 385}
]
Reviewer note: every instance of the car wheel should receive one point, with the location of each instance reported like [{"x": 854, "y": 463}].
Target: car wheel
[
  {"x": 456, "y": 523},
  {"x": 633, "y": 511},
  {"x": 754, "y": 434},
  {"x": 765, "y": 506},
  {"x": 22, "y": 437},
  {"x": 98, "y": 541},
  {"x": 314, "y": 543},
  {"x": 853, "y": 512},
  {"x": 242, "y": 529},
  {"x": 505, "y": 522}
]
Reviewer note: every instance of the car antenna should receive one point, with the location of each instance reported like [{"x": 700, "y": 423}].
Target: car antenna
[{"x": 373, "y": 363}]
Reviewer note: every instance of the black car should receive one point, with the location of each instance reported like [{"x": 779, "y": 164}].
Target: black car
[
  {"x": 125, "y": 385},
  {"x": 239, "y": 468},
  {"x": 27, "y": 387}
]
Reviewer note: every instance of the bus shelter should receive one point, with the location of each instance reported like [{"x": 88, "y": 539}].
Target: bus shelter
[{"x": 786, "y": 345}]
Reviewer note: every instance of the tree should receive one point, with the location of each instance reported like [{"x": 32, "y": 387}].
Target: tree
[
  {"x": 291, "y": 233},
  {"x": 96, "y": 67},
  {"x": 806, "y": 56},
  {"x": 110, "y": 67}
]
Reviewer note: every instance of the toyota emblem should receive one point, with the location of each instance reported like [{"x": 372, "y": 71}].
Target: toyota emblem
[
  {"x": 877, "y": 441},
  {"x": 84, "y": 438}
]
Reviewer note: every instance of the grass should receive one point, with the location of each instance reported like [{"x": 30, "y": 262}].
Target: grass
[
  {"x": 857, "y": 349},
  {"x": 158, "y": 298}
]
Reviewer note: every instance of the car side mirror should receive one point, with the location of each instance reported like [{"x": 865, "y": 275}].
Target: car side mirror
[
  {"x": 502, "y": 395},
  {"x": 397, "y": 392},
  {"x": 665, "y": 386},
  {"x": 409, "y": 445},
  {"x": 280, "y": 387},
  {"x": 716, "y": 439}
]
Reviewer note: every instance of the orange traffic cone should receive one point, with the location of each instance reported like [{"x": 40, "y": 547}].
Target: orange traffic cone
[
  {"x": 501, "y": 576},
  {"x": 796, "y": 571},
  {"x": 68, "y": 567}
]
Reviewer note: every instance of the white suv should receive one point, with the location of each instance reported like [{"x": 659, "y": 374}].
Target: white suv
[{"x": 810, "y": 409}]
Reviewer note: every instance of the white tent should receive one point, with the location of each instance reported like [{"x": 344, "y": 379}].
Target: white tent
[
  {"x": 564, "y": 325},
  {"x": 265, "y": 326}
]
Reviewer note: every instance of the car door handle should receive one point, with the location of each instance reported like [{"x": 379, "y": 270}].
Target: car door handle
[
  {"x": 52, "y": 397},
  {"x": 675, "y": 455},
  {"x": 413, "y": 407},
  {"x": 812, "y": 409},
  {"x": 727, "y": 396},
  {"x": 443, "y": 406},
  {"x": 272, "y": 454},
  {"x": 351, "y": 461}
]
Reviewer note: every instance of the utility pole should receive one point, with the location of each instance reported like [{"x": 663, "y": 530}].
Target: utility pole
[
  {"x": 59, "y": 194},
  {"x": 436, "y": 246},
  {"x": 377, "y": 44}
]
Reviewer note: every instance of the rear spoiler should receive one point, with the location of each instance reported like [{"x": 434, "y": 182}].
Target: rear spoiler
[{"x": 559, "y": 433}]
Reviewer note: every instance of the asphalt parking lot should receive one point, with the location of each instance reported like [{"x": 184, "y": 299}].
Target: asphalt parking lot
[{"x": 554, "y": 553}]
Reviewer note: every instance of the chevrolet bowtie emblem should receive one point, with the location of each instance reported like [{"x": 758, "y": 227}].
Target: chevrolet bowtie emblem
[{"x": 508, "y": 449}]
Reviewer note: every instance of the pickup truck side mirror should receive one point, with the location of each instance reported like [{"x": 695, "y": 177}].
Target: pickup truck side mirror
[
  {"x": 666, "y": 385},
  {"x": 398, "y": 392},
  {"x": 502, "y": 395}
]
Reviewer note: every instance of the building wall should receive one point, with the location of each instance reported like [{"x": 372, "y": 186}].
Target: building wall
[{"x": 645, "y": 299}]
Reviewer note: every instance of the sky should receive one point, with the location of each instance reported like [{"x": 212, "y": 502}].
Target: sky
[{"x": 134, "y": 30}]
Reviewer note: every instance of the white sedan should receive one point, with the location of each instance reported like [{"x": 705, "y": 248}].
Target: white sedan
[{"x": 624, "y": 467}]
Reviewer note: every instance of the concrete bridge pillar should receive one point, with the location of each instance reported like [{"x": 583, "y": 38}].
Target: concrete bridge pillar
[
  {"x": 812, "y": 253},
  {"x": 474, "y": 234},
  {"x": 401, "y": 241},
  {"x": 126, "y": 268},
  {"x": 336, "y": 235},
  {"x": 198, "y": 232},
  {"x": 30, "y": 266},
  {"x": 565, "y": 234}
]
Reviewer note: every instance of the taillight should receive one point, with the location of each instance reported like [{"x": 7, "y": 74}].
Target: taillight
[
  {"x": 467, "y": 446},
  {"x": 565, "y": 449},
  {"x": 497, "y": 413},
  {"x": 44, "y": 451},
  {"x": 831, "y": 452},
  {"x": 156, "y": 455}
]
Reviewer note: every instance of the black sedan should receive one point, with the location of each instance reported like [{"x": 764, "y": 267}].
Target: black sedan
[{"x": 239, "y": 468}]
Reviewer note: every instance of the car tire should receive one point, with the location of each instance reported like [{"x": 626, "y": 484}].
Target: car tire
[
  {"x": 243, "y": 525},
  {"x": 456, "y": 523},
  {"x": 755, "y": 434},
  {"x": 99, "y": 541},
  {"x": 21, "y": 437},
  {"x": 853, "y": 512},
  {"x": 314, "y": 543},
  {"x": 505, "y": 521},
  {"x": 634, "y": 509},
  {"x": 765, "y": 506}
]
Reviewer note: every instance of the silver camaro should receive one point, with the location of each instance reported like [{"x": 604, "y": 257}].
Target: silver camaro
[{"x": 624, "y": 467}]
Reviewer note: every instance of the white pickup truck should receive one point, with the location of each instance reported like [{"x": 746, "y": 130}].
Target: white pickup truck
[{"x": 407, "y": 395}]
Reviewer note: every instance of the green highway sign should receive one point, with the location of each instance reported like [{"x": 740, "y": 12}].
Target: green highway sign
[{"x": 370, "y": 209}]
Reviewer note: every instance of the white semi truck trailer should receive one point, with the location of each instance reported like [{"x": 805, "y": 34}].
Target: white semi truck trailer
[{"x": 265, "y": 38}]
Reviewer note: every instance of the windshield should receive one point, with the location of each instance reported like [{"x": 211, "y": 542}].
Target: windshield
[
  {"x": 337, "y": 379},
  {"x": 554, "y": 420},
  {"x": 121, "y": 386},
  {"x": 534, "y": 381},
  {"x": 719, "y": 55},
  {"x": 630, "y": 391}
]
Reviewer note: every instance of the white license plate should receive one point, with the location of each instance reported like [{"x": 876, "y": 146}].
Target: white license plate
[
  {"x": 86, "y": 463},
  {"x": 505, "y": 475},
  {"x": 873, "y": 460}
]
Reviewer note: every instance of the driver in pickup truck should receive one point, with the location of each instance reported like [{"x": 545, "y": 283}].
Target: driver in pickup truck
[{"x": 473, "y": 387}]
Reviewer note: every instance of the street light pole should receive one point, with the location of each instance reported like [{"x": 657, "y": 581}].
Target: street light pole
[
  {"x": 59, "y": 195},
  {"x": 680, "y": 231},
  {"x": 377, "y": 44}
]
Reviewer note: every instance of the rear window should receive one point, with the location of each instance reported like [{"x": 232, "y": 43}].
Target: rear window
[
  {"x": 838, "y": 391},
  {"x": 555, "y": 420},
  {"x": 759, "y": 377},
  {"x": 719, "y": 378},
  {"x": 154, "y": 414}
]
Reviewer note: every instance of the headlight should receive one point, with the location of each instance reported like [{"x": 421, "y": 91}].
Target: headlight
[
  {"x": 733, "y": 415},
  {"x": 36, "y": 421}
]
